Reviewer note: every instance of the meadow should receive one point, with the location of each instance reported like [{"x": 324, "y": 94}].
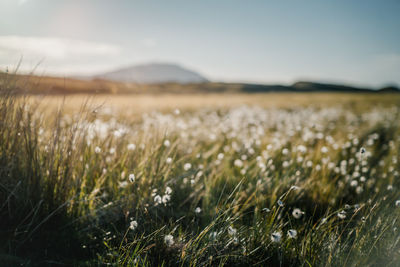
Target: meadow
[{"x": 200, "y": 180}]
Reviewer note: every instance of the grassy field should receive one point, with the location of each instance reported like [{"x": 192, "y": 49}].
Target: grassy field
[
  {"x": 133, "y": 105},
  {"x": 200, "y": 180}
]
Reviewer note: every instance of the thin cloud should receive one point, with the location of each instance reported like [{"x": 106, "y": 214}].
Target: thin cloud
[{"x": 55, "y": 48}]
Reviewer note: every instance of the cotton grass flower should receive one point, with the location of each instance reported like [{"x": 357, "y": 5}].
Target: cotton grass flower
[
  {"x": 166, "y": 199},
  {"x": 133, "y": 225},
  {"x": 157, "y": 199},
  {"x": 131, "y": 177},
  {"x": 154, "y": 192},
  {"x": 397, "y": 203},
  {"x": 168, "y": 190},
  {"x": 167, "y": 143},
  {"x": 353, "y": 183},
  {"x": 285, "y": 164},
  {"x": 169, "y": 240},
  {"x": 297, "y": 213},
  {"x": 187, "y": 166},
  {"x": 342, "y": 215},
  {"x": 292, "y": 233},
  {"x": 197, "y": 210},
  {"x": 301, "y": 149},
  {"x": 232, "y": 231},
  {"x": 276, "y": 237},
  {"x": 168, "y": 160},
  {"x": 238, "y": 163},
  {"x": 97, "y": 150},
  {"x": 131, "y": 147}
]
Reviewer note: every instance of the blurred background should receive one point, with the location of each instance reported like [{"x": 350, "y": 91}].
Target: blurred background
[{"x": 122, "y": 46}]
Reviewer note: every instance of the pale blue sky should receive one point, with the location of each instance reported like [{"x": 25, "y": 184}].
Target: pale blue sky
[{"x": 355, "y": 42}]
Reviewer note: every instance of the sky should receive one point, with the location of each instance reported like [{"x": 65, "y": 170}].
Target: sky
[{"x": 346, "y": 41}]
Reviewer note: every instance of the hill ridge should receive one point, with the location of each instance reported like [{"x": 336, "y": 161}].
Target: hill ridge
[{"x": 153, "y": 73}]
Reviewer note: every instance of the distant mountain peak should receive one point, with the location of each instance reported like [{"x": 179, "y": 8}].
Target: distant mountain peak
[{"x": 154, "y": 73}]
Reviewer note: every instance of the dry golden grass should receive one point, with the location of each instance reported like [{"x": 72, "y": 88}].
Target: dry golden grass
[
  {"x": 131, "y": 98},
  {"x": 136, "y": 104},
  {"x": 221, "y": 183}
]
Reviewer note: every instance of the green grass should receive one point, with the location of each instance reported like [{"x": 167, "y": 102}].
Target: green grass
[{"x": 66, "y": 198}]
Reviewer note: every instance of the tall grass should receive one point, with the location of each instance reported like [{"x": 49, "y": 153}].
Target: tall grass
[{"x": 200, "y": 188}]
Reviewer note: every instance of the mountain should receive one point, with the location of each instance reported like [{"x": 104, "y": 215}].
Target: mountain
[{"x": 153, "y": 73}]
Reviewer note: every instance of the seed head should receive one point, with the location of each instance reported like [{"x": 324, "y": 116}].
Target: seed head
[
  {"x": 131, "y": 177},
  {"x": 167, "y": 143},
  {"x": 166, "y": 198},
  {"x": 187, "y": 166},
  {"x": 131, "y": 147},
  {"x": 133, "y": 225},
  {"x": 231, "y": 231},
  {"x": 276, "y": 237},
  {"x": 168, "y": 190},
  {"x": 297, "y": 213},
  {"x": 157, "y": 199},
  {"x": 292, "y": 233},
  {"x": 169, "y": 240},
  {"x": 342, "y": 215}
]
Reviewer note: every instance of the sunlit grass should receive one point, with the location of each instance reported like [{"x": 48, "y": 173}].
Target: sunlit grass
[{"x": 232, "y": 184}]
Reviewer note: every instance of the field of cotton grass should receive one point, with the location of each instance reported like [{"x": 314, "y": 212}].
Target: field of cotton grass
[{"x": 245, "y": 185}]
